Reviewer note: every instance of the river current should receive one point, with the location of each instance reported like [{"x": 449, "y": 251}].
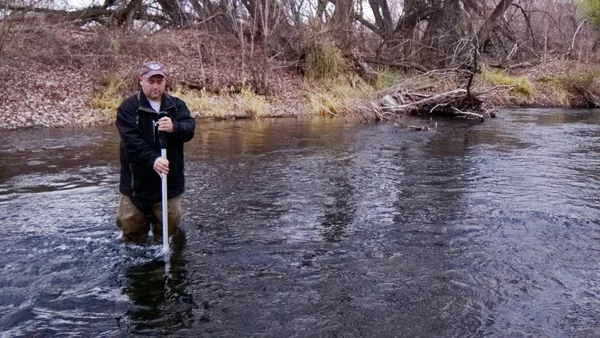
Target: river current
[{"x": 314, "y": 228}]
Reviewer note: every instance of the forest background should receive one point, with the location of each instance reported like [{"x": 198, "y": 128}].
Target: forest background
[{"x": 371, "y": 59}]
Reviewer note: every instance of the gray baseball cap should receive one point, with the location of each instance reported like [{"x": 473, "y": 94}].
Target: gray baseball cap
[{"x": 152, "y": 68}]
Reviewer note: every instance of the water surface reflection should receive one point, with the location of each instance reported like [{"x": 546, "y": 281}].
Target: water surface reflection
[
  {"x": 157, "y": 288},
  {"x": 314, "y": 228}
]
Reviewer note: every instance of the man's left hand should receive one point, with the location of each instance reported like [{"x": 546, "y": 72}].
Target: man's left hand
[{"x": 165, "y": 124}]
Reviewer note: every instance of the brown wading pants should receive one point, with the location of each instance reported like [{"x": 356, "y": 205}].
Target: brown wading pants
[{"x": 135, "y": 225}]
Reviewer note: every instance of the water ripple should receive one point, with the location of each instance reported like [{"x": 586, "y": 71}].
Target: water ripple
[{"x": 315, "y": 230}]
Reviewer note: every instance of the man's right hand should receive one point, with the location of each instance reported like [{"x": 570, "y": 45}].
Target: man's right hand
[{"x": 161, "y": 166}]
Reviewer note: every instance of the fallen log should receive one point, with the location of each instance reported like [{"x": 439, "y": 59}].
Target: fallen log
[{"x": 428, "y": 100}]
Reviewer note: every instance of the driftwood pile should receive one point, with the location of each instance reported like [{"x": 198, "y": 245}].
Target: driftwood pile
[{"x": 405, "y": 99}]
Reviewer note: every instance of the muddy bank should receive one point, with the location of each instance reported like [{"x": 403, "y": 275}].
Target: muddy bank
[{"x": 69, "y": 77}]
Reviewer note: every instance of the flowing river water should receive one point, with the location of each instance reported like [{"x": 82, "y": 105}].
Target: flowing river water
[{"x": 314, "y": 228}]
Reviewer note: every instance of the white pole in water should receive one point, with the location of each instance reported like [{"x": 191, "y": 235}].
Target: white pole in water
[
  {"x": 164, "y": 197},
  {"x": 165, "y": 212}
]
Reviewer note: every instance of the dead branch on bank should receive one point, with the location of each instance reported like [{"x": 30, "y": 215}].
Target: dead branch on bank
[
  {"x": 455, "y": 102},
  {"x": 432, "y": 93},
  {"x": 374, "y": 112}
]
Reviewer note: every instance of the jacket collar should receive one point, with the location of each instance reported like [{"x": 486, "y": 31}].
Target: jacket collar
[{"x": 166, "y": 102}]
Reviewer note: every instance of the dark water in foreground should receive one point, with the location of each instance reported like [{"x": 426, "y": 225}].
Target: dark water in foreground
[{"x": 314, "y": 228}]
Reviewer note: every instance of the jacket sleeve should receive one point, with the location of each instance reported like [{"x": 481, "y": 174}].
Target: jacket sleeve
[
  {"x": 136, "y": 148},
  {"x": 184, "y": 124}
]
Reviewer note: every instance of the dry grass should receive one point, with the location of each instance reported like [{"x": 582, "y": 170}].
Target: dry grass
[
  {"x": 551, "y": 92},
  {"x": 109, "y": 96},
  {"x": 226, "y": 104},
  {"x": 340, "y": 95},
  {"x": 563, "y": 83},
  {"x": 514, "y": 90},
  {"x": 201, "y": 103},
  {"x": 385, "y": 77},
  {"x": 253, "y": 104},
  {"x": 323, "y": 59}
]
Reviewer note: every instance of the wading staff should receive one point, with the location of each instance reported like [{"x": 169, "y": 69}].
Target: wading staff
[{"x": 164, "y": 197}]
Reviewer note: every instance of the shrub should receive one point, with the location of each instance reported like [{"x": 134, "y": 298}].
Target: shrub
[{"x": 323, "y": 59}]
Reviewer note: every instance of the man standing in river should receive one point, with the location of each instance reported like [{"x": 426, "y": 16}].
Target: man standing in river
[{"x": 141, "y": 165}]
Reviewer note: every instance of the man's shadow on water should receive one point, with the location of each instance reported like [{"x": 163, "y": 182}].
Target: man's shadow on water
[{"x": 158, "y": 292}]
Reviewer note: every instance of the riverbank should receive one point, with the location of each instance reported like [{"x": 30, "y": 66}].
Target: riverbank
[{"x": 70, "y": 77}]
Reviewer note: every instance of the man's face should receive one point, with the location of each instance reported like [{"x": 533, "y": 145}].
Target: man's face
[{"x": 153, "y": 87}]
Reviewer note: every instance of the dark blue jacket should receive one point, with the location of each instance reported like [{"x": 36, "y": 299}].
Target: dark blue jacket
[{"x": 140, "y": 146}]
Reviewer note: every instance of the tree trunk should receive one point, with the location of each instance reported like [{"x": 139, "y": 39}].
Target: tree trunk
[
  {"x": 341, "y": 22},
  {"x": 173, "y": 11},
  {"x": 492, "y": 20}
]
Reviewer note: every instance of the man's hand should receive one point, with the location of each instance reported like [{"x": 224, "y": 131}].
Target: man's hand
[
  {"x": 165, "y": 124},
  {"x": 161, "y": 166}
]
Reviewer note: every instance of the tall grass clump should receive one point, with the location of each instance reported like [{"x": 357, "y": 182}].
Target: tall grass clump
[
  {"x": 551, "y": 90},
  {"x": 226, "y": 104},
  {"x": 520, "y": 85},
  {"x": 331, "y": 97},
  {"x": 253, "y": 104},
  {"x": 324, "y": 60},
  {"x": 108, "y": 98},
  {"x": 581, "y": 79},
  {"x": 581, "y": 83},
  {"x": 204, "y": 103},
  {"x": 385, "y": 77},
  {"x": 324, "y": 103}
]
